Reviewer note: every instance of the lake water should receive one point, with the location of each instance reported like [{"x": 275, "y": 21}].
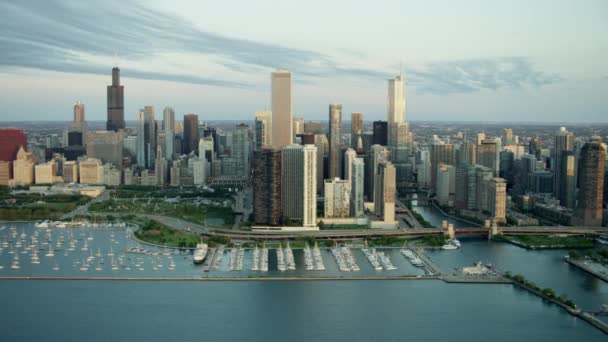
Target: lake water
[{"x": 417, "y": 310}]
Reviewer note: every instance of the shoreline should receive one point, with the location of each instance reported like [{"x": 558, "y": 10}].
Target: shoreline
[{"x": 589, "y": 270}]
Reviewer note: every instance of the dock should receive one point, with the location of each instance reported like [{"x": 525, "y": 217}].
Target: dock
[
  {"x": 587, "y": 269},
  {"x": 210, "y": 259},
  {"x": 429, "y": 265}
]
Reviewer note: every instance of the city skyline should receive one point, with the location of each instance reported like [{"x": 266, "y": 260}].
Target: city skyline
[{"x": 475, "y": 79}]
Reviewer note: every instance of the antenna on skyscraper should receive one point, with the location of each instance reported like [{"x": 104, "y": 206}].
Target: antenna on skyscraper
[{"x": 115, "y": 59}]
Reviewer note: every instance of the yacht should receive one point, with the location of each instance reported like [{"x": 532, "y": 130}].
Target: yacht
[
  {"x": 449, "y": 246},
  {"x": 43, "y": 224},
  {"x": 200, "y": 253},
  {"x": 455, "y": 242}
]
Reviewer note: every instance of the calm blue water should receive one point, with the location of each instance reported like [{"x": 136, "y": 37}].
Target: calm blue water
[
  {"x": 281, "y": 311},
  {"x": 296, "y": 311}
]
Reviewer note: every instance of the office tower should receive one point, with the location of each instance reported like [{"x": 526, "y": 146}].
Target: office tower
[
  {"x": 282, "y": 129},
  {"x": 423, "y": 169},
  {"x": 263, "y": 130},
  {"x": 564, "y": 142},
  {"x": 335, "y": 140},
  {"x": 446, "y": 185},
  {"x": 337, "y": 198},
  {"x": 11, "y": 141},
  {"x": 461, "y": 184},
  {"x": 106, "y": 146},
  {"x": 237, "y": 165},
  {"x": 506, "y": 164},
  {"x": 377, "y": 155},
  {"x": 310, "y": 186},
  {"x": 481, "y": 136},
  {"x": 384, "y": 189},
  {"x": 23, "y": 167},
  {"x": 199, "y": 170},
  {"x": 205, "y": 150},
  {"x": 267, "y": 187},
  {"x": 497, "y": 204},
  {"x": 313, "y": 127},
  {"x": 357, "y": 186},
  {"x": 567, "y": 193},
  {"x": 91, "y": 171},
  {"x": 292, "y": 184},
  {"x": 466, "y": 154},
  {"x": 161, "y": 168},
  {"x": 146, "y": 138},
  {"x": 45, "y": 173},
  {"x": 70, "y": 172},
  {"x": 540, "y": 182},
  {"x": 483, "y": 177},
  {"x": 349, "y": 157},
  {"x": 488, "y": 155},
  {"x": 211, "y": 131},
  {"x": 396, "y": 100},
  {"x": 190, "y": 142},
  {"x": 78, "y": 114},
  {"x": 356, "y": 130},
  {"x": 380, "y": 130},
  {"x": 116, "y": 104},
  {"x": 592, "y": 161},
  {"x": 298, "y": 127},
  {"x": 169, "y": 128},
  {"x": 320, "y": 144},
  {"x": 508, "y": 136},
  {"x": 441, "y": 153}
]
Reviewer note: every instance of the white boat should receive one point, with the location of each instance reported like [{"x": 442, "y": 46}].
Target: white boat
[
  {"x": 449, "y": 247},
  {"x": 455, "y": 242},
  {"x": 200, "y": 253},
  {"x": 43, "y": 224}
]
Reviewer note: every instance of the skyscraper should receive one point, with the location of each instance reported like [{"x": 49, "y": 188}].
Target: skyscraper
[
  {"x": 146, "y": 138},
  {"x": 377, "y": 155},
  {"x": 396, "y": 100},
  {"x": 385, "y": 188},
  {"x": 169, "y": 127},
  {"x": 567, "y": 173},
  {"x": 282, "y": 129},
  {"x": 106, "y": 146},
  {"x": 488, "y": 155},
  {"x": 564, "y": 141},
  {"x": 356, "y": 192},
  {"x": 190, "y": 143},
  {"x": 356, "y": 129},
  {"x": 78, "y": 114},
  {"x": 116, "y": 104},
  {"x": 441, "y": 153},
  {"x": 380, "y": 130},
  {"x": 335, "y": 140},
  {"x": 349, "y": 157},
  {"x": 292, "y": 183},
  {"x": 263, "y": 130},
  {"x": 267, "y": 187},
  {"x": 337, "y": 198},
  {"x": 11, "y": 141},
  {"x": 591, "y": 190}
]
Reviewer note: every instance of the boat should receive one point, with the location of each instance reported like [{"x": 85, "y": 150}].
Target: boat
[
  {"x": 449, "y": 246},
  {"x": 200, "y": 253},
  {"x": 43, "y": 224},
  {"x": 455, "y": 242}
]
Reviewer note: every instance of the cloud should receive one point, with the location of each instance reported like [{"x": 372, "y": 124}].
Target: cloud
[
  {"x": 61, "y": 35},
  {"x": 472, "y": 75}
]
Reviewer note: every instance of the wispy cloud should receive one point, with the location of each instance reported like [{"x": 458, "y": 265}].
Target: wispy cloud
[{"x": 56, "y": 34}]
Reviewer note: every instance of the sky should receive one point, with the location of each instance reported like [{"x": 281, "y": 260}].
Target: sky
[{"x": 470, "y": 60}]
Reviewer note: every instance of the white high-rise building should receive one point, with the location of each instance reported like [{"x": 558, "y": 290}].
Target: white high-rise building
[
  {"x": 282, "y": 112},
  {"x": 337, "y": 198},
  {"x": 169, "y": 128},
  {"x": 299, "y": 184},
  {"x": 396, "y": 100},
  {"x": 349, "y": 157},
  {"x": 310, "y": 186}
]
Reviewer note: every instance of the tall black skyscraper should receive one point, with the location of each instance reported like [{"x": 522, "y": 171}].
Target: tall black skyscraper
[
  {"x": 116, "y": 103},
  {"x": 380, "y": 129}
]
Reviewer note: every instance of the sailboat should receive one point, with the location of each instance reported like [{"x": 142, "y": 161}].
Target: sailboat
[{"x": 50, "y": 253}]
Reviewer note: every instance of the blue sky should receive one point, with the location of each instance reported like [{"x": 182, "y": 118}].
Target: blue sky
[{"x": 466, "y": 60}]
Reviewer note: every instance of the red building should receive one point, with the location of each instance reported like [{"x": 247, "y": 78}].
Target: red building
[{"x": 10, "y": 141}]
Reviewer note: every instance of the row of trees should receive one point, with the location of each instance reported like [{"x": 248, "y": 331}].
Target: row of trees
[{"x": 548, "y": 292}]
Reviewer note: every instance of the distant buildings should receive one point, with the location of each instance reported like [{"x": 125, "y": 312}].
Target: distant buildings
[
  {"x": 385, "y": 192},
  {"x": 116, "y": 106},
  {"x": 23, "y": 168},
  {"x": 11, "y": 140},
  {"x": 563, "y": 142}
]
